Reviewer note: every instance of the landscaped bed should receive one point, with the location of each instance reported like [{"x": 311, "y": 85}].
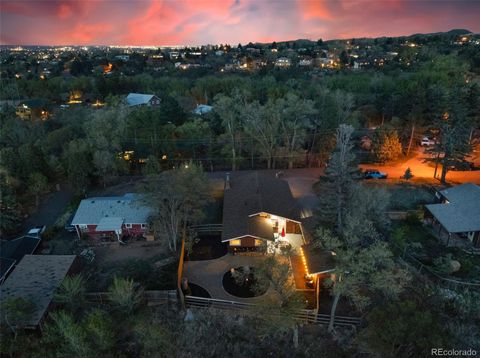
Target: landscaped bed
[
  {"x": 241, "y": 283},
  {"x": 208, "y": 247},
  {"x": 197, "y": 291},
  {"x": 344, "y": 308}
]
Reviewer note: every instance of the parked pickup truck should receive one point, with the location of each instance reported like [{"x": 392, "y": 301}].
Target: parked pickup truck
[{"x": 374, "y": 174}]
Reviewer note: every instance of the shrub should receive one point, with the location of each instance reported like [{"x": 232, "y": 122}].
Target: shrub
[{"x": 387, "y": 146}]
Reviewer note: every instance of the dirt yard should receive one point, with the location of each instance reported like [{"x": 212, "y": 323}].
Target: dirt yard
[{"x": 136, "y": 250}]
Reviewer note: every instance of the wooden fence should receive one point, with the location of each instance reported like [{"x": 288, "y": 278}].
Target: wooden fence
[
  {"x": 180, "y": 273},
  {"x": 402, "y": 215},
  {"x": 303, "y": 316},
  {"x": 436, "y": 276},
  {"x": 158, "y": 297},
  {"x": 151, "y": 296}
]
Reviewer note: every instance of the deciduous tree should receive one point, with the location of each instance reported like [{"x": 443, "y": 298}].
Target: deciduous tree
[
  {"x": 178, "y": 198},
  {"x": 37, "y": 185}
]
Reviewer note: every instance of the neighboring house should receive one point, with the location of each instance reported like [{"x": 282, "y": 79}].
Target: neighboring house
[
  {"x": 36, "y": 278},
  {"x": 32, "y": 109},
  {"x": 12, "y": 251},
  {"x": 140, "y": 99},
  {"x": 283, "y": 62},
  {"x": 458, "y": 212},
  {"x": 259, "y": 213},
  {"x": 124, "y": 58},
  {"x": 305, "y": 62},
  {"x": 114, "y": 217},
  {"x": 202, "y": 109}
]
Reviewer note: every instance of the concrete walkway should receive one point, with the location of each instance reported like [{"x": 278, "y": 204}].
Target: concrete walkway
[{"x": 209, "y": 274}]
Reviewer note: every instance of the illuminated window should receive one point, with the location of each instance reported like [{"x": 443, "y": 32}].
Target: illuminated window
[
  {"x": 235, "y": 242},
  {"x": 258, "y": 242}
]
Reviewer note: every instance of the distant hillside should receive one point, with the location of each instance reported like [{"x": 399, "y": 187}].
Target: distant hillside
[{"x": 306, "y": 43}]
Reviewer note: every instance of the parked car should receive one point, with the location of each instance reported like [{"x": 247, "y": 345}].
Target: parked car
[
  {"x": 427, "y": 142},
  {"x": 374, "y": 174},
  {"x": 37, "y": 231}
]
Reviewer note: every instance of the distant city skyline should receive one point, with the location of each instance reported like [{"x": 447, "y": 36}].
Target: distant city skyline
[{"x": 163, "y": 23}]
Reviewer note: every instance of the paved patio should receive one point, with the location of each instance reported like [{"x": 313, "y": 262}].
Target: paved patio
[{"x": 209, "y": 274}]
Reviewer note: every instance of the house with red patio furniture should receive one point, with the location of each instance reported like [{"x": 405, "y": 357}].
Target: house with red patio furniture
[
  {"x": 260, "y": 213},
  {"x": 115, "y": 217}
]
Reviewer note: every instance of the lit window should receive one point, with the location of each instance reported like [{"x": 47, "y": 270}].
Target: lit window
[
  {"x": 258, "y": 242},
  {"x": 235, "y": 242}
]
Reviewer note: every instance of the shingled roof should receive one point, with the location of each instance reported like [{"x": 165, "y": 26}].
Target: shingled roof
[
  {"x": 251, "y": 194},
  {"x": 318, "y": 261},
  {"x": 462, "y": 212},
  {"x": 12, "y": 251},
  {"x": 138, "y": 99},
  {"x": 36, "y": 278}
]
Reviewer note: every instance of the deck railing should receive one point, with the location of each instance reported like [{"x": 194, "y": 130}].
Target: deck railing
[{"x": 207, "y": 228}]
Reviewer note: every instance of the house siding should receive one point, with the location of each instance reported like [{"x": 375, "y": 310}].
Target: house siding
[
  {"x": 246, "y": 243},
  {"x": 134, "y": 230},
  {"x": 292, "y": 227},
  {"x": 476, "y": 239}
]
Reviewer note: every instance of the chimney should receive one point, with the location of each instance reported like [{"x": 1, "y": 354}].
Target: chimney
[{"x": 227, "y": 181}]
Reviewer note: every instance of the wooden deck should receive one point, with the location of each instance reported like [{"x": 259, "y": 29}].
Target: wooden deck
[{"x": 299, "y": 273}]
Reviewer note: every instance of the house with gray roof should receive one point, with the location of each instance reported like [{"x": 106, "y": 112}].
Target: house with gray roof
[
  {"x": 458, "y": 212},
  {"x": 113, "y": 216},
  {"x": 141, "y": 99},
  {"x": 36, "y": 278},
  {"x": 258, "y": 211},
  {"x": 12, "y": 251},
  {"x": 202, "y": 109}
]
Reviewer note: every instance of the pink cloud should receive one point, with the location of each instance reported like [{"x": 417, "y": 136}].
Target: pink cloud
[{"x": 164, "y": 22}]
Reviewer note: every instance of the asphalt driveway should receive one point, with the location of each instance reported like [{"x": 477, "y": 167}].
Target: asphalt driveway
[{"x": 51, "y": 207}]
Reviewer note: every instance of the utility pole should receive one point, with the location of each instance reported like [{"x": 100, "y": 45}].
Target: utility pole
[{"x": 411, "y": 139}]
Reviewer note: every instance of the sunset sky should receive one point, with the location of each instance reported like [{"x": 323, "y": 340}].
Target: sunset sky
[{"x": 195, "y": 22}]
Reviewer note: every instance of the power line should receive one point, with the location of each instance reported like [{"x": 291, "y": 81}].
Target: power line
[{"x": 243, "y": 137}]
